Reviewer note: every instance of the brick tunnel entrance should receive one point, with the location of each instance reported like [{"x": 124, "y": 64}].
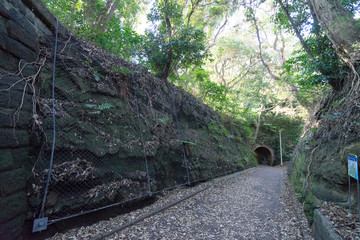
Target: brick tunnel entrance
[{"x": 264, "y": 155}]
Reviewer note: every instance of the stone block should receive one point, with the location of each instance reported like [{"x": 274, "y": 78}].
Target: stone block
[
  {"x": 12, "y": 181},
  {"x": 18, "y": 33},
  {"x": 10, "y": 138},
  {"x": 330, "y": 193},
  {"x": 21, "y": 157},
  {"x": 6, "y": 159},
  {"x": 13, "y": 206},
  {"x": 7, "y": 81},
  {"x": 7, "y": 118},
  {"x": 3, "y": 10},
  {"x": 18, "y": 16},
  {"x": 41, "y": 11},
  {"x": 30, "y": 15},
  {"x": 322, "y": 229},
  {"x": 12, "y": 229},
  {"x": 3, "y": 24},
  {"x": 13, "y": 100},
  {"x": 16, "y": 48},
  {"x": 18, "y": 5},
  {"x": 7, "y": 61},
  {"x": 46, "y": 37}
]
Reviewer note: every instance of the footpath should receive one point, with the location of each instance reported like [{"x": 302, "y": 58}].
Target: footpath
[{"x": 257, "y": 203}]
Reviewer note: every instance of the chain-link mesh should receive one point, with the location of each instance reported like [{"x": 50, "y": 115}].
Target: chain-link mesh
[{"x": 120, "y": 136}]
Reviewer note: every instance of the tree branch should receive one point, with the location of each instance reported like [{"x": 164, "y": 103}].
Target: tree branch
[
  {"x": 296, "y": 31},
  {"x": 260, "y": 51},
  {"x": 166, "y": 72}
]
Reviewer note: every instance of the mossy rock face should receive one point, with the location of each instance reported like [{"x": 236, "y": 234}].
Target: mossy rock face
[
  {"x": 330, "y": 193},
  {"x": 327, "y": 180}
]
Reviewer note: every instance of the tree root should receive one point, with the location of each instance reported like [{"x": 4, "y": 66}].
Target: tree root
[
  {"x": 309, "y": 172},
  {"x": 30, "y": 82}
]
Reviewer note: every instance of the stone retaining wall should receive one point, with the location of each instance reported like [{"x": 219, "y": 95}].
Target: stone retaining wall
[{"x": 22, "y": 34}]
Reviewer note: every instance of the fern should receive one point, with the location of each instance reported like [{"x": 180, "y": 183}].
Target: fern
[
  {"x": 163, "y": 120},
  {"x": 105, "y": 106}
]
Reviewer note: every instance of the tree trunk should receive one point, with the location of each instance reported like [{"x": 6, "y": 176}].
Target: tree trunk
[
  {"x": 296, "y": 30},
  {"x": 166, "y": 71},
  {"x": 111, "y": 14},
  {"x": 99, "y": 20},
  {"x": 341, "y": 28},
  {"x": 258, "y": 123},
  {"x": 291, "y": 86}
]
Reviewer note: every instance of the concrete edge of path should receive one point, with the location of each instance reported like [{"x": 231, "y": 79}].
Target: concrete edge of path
[
  {"x": 152, "y": 213},
  {"x": 322, "y": 229}
]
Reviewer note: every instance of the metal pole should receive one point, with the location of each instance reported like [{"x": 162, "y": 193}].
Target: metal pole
[
  {"x": 349, "y": 195},
  {"x": 280, "y": 149},
  {"x": 142, "y": 139},
  {"x": 358, "y": 197}
]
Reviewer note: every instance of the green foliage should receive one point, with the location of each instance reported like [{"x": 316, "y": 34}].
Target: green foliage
[
  {"x": 337, "y": 102},
  {"x": 291, "y": 128},
  {"x": 314, "y": 130},
  {"x": 96, "y": 76},
  {"x": 186, "y": 43},
  {"x": 124, "y": 71},
  {"x": 187, "y": 142},
  {"x": 163, "y": 120},
  {"x": 301, "y": 69},
  {"x": 91, "y": 20},
  {"x": 98, "y": 108},
  {"x": 307, "y": 74},
  {"x": 105, "y": 106},
  {"x": 218, "y": 128},
  {"x": 309, "y": 207}
]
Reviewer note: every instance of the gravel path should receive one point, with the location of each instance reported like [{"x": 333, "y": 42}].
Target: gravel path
[{"x": 258, "y": 203}]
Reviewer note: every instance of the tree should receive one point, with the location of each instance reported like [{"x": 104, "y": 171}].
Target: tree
[
  {"x": 172, "y": 44},
  {"x": 107, "y": 23},
  {"x": 317, "y": 63},
  {"x": 341, "y": 28}
]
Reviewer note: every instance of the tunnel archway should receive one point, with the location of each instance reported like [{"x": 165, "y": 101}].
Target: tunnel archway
[{"x": 265, "y": 155}]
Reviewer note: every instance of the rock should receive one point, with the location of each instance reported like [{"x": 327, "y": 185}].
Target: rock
[
  {"x": 3, "y": 23},
  {"x": 7, "y": 118},
  {"x": 21, "y": 157},
  {"x": 322, "y": 229},
  {"x": 6, "y": 159},
  {"x": 12, "y": 228},
  {"x": 333, "y": 170},
  {"x": 18, "y": 16},
  {"x": 13, "y": 206},
  {"x": 13, "y": 99},
  {"x": 12, "y": 181},
  {"x": 18, "y": 33},
  {"x": 16, "y": 48},
  {"x": 51, "y": 199},
  {"x": 326, "y": 192},
  {"x": 45, "y": 15},
  {"x": 137, "y": 175},
  {"x": 8, "y": 81},
  {"x": 174, "y": 144},
  {"x": 10, "y": 138},
  {"x": 7, "y": 61}
]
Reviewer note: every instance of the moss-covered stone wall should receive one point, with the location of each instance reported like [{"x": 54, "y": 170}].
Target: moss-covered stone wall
[
  {"x": 108, "y": 113},
  {"x": 318, "y": 168}
]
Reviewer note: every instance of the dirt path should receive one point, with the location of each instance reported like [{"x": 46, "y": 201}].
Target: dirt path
[{"x": 257, "y": 203}]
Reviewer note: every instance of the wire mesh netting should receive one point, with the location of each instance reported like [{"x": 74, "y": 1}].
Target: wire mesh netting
[{"x": 109, "y": 132}]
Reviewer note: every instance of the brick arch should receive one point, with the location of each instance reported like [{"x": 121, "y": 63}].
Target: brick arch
[{"x": 264, "y": 154}]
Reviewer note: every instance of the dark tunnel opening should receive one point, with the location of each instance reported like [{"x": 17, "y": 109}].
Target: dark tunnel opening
[{"x": 264, "y": 155}]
